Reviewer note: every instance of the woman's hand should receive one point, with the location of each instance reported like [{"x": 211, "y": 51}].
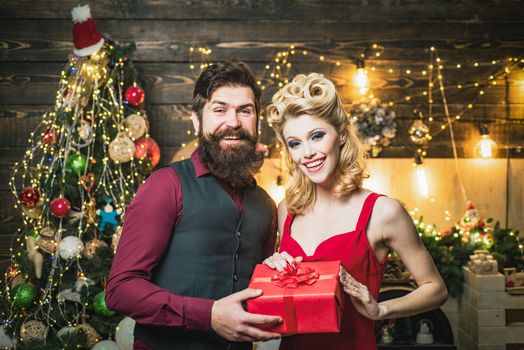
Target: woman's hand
[
  {"x": 280, "y": 260},
  {"x": 362, "y": 299}
]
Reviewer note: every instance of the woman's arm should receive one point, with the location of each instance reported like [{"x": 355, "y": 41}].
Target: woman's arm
[{"x": 391, "y": 226}]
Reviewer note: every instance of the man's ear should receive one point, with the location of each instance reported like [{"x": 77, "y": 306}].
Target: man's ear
[{"x": 196, "y": 122}]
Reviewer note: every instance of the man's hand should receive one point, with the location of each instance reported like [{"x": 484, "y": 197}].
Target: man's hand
[{"x": 230, "y": 321}]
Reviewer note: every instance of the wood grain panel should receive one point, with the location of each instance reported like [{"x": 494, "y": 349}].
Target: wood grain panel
[{"x": 166, "y": 40}]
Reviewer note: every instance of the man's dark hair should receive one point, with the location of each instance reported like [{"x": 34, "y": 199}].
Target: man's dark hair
[{"x": 230, "y": 73}]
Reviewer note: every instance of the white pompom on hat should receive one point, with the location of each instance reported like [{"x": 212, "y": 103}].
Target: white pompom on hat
[{"x": 85, "y": 37}]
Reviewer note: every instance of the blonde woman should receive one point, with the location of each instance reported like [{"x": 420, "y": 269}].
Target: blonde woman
[{"x": 328, "y": 215}]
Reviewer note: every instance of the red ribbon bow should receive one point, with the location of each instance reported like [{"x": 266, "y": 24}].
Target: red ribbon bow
[{"x": 293, "y": 275}]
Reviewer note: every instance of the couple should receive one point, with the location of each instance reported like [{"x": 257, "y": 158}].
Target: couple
[{"x": 196, "y": 229}]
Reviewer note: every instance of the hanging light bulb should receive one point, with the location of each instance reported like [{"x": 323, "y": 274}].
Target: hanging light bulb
[
  {"x": 486, "y": 147},
  {"x": 361, "y": 78},
  {"x": 422, "y": 181},
  {"x": 278, "y": 193}
]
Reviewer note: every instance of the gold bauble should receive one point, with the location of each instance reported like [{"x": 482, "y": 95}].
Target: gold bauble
[
  {"x": 137, "y": 126},
  {"x": 419, "y": 132},
  {"x": 90, "y": 211},
  {"x": 92, "y": 336},
  {"x": 33, "y": 212},
  {"x": 121, "y": 149},
  {"x": 33, "y": 330},
  {"x": 91, "y": 247},
  {"x": 47, "y": 231},
  {"x": 47, "y": 244}
]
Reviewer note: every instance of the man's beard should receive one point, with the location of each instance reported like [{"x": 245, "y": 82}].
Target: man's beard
[{"x": 235, "y": 164}]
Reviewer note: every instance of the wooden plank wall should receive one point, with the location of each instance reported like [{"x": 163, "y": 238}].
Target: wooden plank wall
[{"x": 35, "y": 40}]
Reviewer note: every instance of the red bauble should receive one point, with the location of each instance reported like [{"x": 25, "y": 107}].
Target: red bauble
[
  {"x": 50, "y": 136},
  {"x": 134, "y": 95},
  {"x": 29, "y": 196},
  {"x": 60, "y": 207},
  {"x": 147, "y": 147}
]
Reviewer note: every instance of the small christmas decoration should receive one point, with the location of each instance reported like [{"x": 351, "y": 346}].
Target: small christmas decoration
[
  {"x": 60, "y": 207},
  {"x": 50, "y": 136},
  {"x": 85, "y": 134},
  {"x": 34, "y": 212},
  {"x": 482, "y": 263},
  {"x": 106, "y": 345},
  {"x": 91, "y": 336},
  {"x": 47, "y": 244},
  {"x": 124, "y": 334},
  {"x": 23, "y": 295},
  {"x": 108, "y": 216},
  {"x": 92, "y": 246},
  {"x": 76, "y": 163},
  {"x": 5, "y": 341},
  {"x": 33, "y": 330},
  {"x": 29, "y": 197},
  {"x": 34, "y": 255},
  {"x": 136, "y": 125},
  {"x": 116, "y": 238},
  {"x": 99, "y": 304},
  {"x": 64, "y": 332},
  {"x": 83, "y": 282},
  {"x": 134, "y": 95},
  {"x": 425, "y": 329},
  {"x": 88, "y": 181},
  {"x": 70, "y": 247},
  {"x": 90, "y": 212},
  {"x": 375, "y": 123},
  {"x": 121, "y": 149},
  {"x": 147, "y": 147},
  {"x": 69, "y": 295},
  {"x": 47, "y": 231},
  {"x": 86, "y": 39},
  {"x": 419, "y": 132}
]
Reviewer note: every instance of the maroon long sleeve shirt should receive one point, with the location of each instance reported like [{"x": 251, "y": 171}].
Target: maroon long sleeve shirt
[{"x": 149, "y": 222}]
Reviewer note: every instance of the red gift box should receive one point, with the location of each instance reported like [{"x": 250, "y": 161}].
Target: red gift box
[{"x": 308, "y": 297}]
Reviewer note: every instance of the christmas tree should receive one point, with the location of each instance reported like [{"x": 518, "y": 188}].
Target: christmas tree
[{"x": 84, "y": 163}]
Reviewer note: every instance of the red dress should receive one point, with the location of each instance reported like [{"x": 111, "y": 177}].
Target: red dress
[{"x": 357, "y": 257}]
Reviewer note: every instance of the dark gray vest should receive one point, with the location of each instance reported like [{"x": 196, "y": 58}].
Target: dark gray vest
[{"x": 212, "y": 254}]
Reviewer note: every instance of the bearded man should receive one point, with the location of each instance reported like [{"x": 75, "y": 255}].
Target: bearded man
[{"x": 196, "y": 229}]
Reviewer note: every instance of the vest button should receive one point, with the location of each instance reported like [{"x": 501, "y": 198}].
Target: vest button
[
  {"x": 236, "y": 256},
  {"x": 238, "y": 233},
  {"x": 235, "y": 278}
]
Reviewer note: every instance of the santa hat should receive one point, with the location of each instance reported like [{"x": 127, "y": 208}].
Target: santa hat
[
  {"x": 85, "y": 37},
  {"x": 470, "y": 206}
]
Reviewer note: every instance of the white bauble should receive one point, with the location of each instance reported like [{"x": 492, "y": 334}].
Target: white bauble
[
  {"x": 5, "y": 341},
  {"x": 106, "y": 345},
  {"x": 65, "y": 331},
  {"x": 70, "y": 247},
  {"x": 124, "y": 334}
]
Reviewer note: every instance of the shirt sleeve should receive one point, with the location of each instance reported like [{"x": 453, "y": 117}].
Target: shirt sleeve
[
  {"x": 269, "y": 247},
  {"x": 148, "y": 225}
]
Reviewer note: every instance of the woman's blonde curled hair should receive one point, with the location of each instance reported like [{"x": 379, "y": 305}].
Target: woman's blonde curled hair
[{"x": 316, "y": 96}]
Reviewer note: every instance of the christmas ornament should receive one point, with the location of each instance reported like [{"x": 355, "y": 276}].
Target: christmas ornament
[
  {"x": 60, "y": 207},
  {"x": 124, "y": 333},
  {"x": 121, "y": 149},
  {"x": 471, "y": 217},
  {"x": 419, "y": 132},
  {"x": 47, "y": 231},
  {"x": 136, "y": 125},
  {"x": 5, "y": 341},
  {"x": 147, "y": 147},
  {"x": 375, "y": 123},
  {"x": 64, "y": 332},
  {"x": 108, "y": 216},
  {"x": 29, "y": 197},
  {"x": 85, "y": 133},
  {"x": 88, "y": 181},
  {"x": 68, "y": 294},
  {"x": 134, "y": 95},
  {"x": 99, "y": 304},
  {"x": 92, "y": 246},
  {"x": 47, "y": 244},
  {"x": 76, "y": 163},
  {"x": 91, "y": 336},
  {"x": 17, "y": 281},
  {"x": 70, "y": 247},
  {"x": 90, "y": 211},
  {"x": 34, "y": 255},
  {"x": 50, "y": 136},
  {"x": 116, "y": 238},
  {"x": 23, "y": 295},
  {"x": 74, "y": 217},
  {"x": 106, "y": 345},
  {"x": 12, "y": 272},
  {"x": 83, "y": 282},
  {"x": 34, "y": 212},
  {"x": 33, "y": 330}
]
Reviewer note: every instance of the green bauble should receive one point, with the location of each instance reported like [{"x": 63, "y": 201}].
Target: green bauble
[
  {"x": 76, "y": 163},
  {"x": 23, "y": 295},
  {"x": 99, "y": 304}
]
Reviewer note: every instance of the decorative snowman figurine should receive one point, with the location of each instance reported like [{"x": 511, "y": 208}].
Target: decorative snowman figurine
[{"x": 108, "y": 216}]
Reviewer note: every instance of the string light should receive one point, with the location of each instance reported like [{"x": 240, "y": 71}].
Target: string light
[
  {"x": 485, "y": 147},
  {"x": 361, "y": 78},
  {"x": 422, "y": 182}
]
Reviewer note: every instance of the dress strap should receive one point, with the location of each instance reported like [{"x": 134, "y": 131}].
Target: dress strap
[
  {"x": 367, "y": 209},
  {"x": 287, "y": 225}
]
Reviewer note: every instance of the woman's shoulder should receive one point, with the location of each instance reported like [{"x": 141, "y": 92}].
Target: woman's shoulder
[{"x": 386, "y": 209}]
